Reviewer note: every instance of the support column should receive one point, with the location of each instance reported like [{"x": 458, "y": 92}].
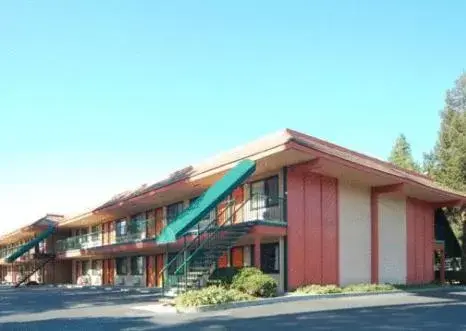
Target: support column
[
  {"x": 442, "y": 266},
  {"x": 374, "y": 237},
  {"x": 257, "y": 252},
  {"x": 281, "y": 264}
]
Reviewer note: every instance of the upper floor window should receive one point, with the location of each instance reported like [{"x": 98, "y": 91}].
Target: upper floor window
[
  {"x": 95, "y": 233},
  {"x": 137, "y": 223},
  {"x": 264, "y": 193},
  {"x": 174, "y": 210},
  {"x": 121, "y": 228}
]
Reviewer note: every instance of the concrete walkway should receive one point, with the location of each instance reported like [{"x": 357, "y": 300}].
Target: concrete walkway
[{"x": 59, "y": 309}]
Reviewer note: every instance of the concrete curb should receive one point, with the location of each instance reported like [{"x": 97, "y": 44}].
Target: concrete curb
[
  {"x": 98, "y": 288},
  {"x": 306, "y": 297}
]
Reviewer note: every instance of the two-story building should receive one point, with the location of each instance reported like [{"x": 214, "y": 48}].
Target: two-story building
[{"x": 301, "y": 209}]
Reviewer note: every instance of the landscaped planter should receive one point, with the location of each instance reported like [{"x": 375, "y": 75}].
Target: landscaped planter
[{"x": 292, "y": 297}]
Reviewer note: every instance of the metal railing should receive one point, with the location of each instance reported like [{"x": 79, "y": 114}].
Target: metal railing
[
  {"x": 214, "y": 234},
  {"x": 257, "y": 208},
  {"x": 7, "y": 251},
  {"x": 136, "y": 230}
]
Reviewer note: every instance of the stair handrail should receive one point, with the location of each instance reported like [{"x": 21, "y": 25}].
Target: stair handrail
[
  {"x": 211, "y": 234},
  {"x": 199, "y": 234},
  {"x": 34, "y": 270}
]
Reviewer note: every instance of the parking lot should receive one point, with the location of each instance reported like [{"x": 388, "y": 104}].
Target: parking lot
[{"x": 120, "y": 309}]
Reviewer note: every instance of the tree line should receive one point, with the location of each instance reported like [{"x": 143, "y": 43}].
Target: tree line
[{"x": 446, "y": 162}]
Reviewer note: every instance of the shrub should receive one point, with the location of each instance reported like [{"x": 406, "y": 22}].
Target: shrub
[
  {"x": 223, "y": 276},
  {"x": 210, "y": 295},
  {"x": 368, "y": 288},
  {"x": 318, "y": 289},
  {"x": 253, "y": 282}
]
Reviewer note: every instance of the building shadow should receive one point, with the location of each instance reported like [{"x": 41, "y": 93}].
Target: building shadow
[
  {"x": 439, "y": 316},
  {"x": 81, "y": 324},
  {"x": 38, "y": 300}
]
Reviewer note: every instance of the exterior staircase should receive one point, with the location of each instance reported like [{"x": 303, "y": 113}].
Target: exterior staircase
[
  {"x": 199, "y": 257},
  {"x": 43, "y": 259}
]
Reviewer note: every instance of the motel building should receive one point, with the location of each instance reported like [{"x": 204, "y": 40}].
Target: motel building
[{"x": 301, "y": 209}]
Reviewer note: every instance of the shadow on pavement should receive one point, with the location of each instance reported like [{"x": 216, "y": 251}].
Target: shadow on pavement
[
  {"x": 437, "y": 316},
  {"x": 37, "y": 300},
  {"x": 81, "y": 324}
]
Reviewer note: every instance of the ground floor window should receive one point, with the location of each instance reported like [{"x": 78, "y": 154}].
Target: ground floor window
[
  {"x": 86, "y": 266},
  {"x": 121, "y": 266},
  {"x": 270, "y": 263},
  {"x": 137, "y": 265}
]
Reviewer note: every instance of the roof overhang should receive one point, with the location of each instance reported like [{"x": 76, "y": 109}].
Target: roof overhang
[
  {"x": 271, "y": 154},
  {"x": 31, "y": 230}
]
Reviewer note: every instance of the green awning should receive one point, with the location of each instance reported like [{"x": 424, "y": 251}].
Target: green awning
[
  {"x": 207, "y": 201},
  {"x": 30, "y": 244}
]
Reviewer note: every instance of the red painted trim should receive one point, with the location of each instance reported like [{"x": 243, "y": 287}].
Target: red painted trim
[
  {"x": 451, "y": 203},
  {"x": 296, "y": 221},
  {"x": 374, "y": 237},
  {"x": 353, "y": 165},
  {"x": 265, "y": 230},
  {"x": 312, "y": 230},
  {"x": 411, "y": 243},
  {"x": 237, "y": 257},
  {"x": 420, "y": 241},
  {"x": 395, "y": 188},
  {"x": 329, "y": 231},
  {"x": 159, "y": 267}
]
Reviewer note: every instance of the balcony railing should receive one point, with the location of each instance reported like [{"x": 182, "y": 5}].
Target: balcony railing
[
  {"x": 259, "y": 207},
  {"x": 136, "y": 230},
  {"x": 7, "y": 251}
]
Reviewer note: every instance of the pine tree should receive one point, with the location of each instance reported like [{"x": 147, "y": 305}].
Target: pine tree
[
  {"x": 447, "y": 162},
  {"x": 401, "y": 154}
]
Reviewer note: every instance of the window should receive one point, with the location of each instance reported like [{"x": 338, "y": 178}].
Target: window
[
  {"x": 86, "y": 266},
  {"x": 173, "y": 211},
  {"x": 95, "y": 267},
  {"x": 121, "y": 266},
  {"x": 264, "y": 193},
  {"x": 120, "y": 227},
  {"x": 137, "y": 224},
  {"x": 137, "y": 265},
  {"x": 270, "y": 258},
  {"x": 95, "y": 233},
  {"x": 83, "y": 235}
]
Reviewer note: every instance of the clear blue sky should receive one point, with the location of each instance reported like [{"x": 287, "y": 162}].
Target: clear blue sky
[{"x": 97, "y": 96}]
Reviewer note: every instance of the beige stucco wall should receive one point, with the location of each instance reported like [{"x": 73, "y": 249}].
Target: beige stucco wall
[
  {"x": 354, "y": 233},
  {"x": 392, "y": 240}
]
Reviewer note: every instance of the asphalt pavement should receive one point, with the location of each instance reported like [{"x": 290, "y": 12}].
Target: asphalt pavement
[{"x": 114, "y": 309}]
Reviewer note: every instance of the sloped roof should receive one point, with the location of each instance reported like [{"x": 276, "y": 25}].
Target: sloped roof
[
  {"x": 281, "y": 138},
  {"x": 43, "y": 222}
]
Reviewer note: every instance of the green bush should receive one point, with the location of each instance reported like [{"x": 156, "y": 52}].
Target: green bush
[
  {"x": 353, "y": 288},
  {"x": 318, "y": 289},
  {"x": 366, "y": 288},
  {"x": 253, "y": 282},
  {"x": 209, "y": 296},
  {"x": 223, "y": 276}
]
